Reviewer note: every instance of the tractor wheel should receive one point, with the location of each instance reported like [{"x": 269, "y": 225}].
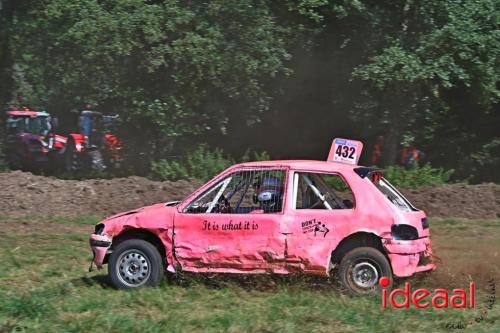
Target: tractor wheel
[
  {"x": 113, "y": 163},
  {"x": 72, "y": 161},
  {"x": 96, "y": 160}
]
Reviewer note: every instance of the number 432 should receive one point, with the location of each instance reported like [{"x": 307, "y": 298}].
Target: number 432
[{"x": 345, "y": 151}]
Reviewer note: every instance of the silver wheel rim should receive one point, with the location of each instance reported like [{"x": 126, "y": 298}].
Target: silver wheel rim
[
  {"x": 133, "y": 268},
  {"x": 364, "y": 275}
]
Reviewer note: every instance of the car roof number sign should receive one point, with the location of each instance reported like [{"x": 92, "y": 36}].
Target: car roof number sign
[{"x": 345, "y": 151}]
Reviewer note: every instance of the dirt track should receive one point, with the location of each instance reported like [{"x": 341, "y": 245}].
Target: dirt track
[
  {"x": 23, "y": 194},
  {"x": 458, "y": 200},
  {"x": 27, "y": 194}
]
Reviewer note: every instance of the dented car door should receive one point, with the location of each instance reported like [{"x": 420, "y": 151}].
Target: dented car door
[
  {"x": 321, "y": 208},
  {"x": 233, "y": 223}
]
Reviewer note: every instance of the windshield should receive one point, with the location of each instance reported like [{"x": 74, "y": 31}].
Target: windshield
[
  {"x": 243, "y": 192},
  {"x": 394, "y": 196},
  {"x": 37, "y": 125},
  {"x": 16, "y": 123}
]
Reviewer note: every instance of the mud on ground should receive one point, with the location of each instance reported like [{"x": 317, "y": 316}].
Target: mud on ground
[
  {"x": 458, "y": 200},
  {"x": 23, "y": 193}
]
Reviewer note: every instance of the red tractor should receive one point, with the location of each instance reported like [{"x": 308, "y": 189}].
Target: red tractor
[
  {"x": 94, "y": 147},
  {"x": 31, "y": 143}
]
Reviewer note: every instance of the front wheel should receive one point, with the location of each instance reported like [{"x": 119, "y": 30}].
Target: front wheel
[
  {"x": 135, "y": 263},
  {"x": 361, "y": 269}
]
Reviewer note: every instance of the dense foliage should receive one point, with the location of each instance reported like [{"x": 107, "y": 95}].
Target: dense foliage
[
  {"x": 200, "y": 163},
  {"x": 417, "y": 176},
  {"x": 278, "y": 76}
]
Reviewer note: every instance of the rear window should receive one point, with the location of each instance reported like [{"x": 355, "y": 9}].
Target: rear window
[{"x": 394, "y": 196}]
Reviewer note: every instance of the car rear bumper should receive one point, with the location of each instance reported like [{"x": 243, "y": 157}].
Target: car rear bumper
[
  {"x": 99, "y": 245},
  {"x": 409, "y": 256}
]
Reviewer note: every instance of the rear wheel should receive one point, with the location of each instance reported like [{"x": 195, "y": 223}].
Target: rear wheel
[
  {"x": 135, "y": 263},
  {"x": 361, "y": 269},
  {"x": 96, "y": 160}
]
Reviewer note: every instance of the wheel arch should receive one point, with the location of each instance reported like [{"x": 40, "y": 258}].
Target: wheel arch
[
  {"x": 139, "y": 233},
  {"x": 358, "y": 239}
]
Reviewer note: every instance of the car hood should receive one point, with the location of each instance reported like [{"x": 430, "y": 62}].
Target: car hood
[{"x": 155, "y": 217}]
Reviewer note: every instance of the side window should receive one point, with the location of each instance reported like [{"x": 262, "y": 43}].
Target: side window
[
  {"x": 12, "y": 124},
  {"x": 321, "y": 191},
  {"x": 243, "y": 192},
  {"x": 16, "y": 124}
]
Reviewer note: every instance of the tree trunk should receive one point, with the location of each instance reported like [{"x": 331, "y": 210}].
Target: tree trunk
[{"x": 391, "y": 146}]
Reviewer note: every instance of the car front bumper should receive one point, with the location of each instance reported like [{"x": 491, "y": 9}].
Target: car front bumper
[
  {"x": 99, "y": 245},
  {"x": 409, "y": 256}
]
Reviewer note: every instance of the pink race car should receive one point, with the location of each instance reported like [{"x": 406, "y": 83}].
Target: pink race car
[{"x": 318, "y": 217}]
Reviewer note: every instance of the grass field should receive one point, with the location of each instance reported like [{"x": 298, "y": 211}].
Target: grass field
[{"x": 45, "y": 287}]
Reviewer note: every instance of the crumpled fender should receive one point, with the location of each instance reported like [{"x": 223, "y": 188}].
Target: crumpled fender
[
  {"x": 156, "y": 219},
  {"x": 99, "y": 245},
  {"x": 406, "y": 255},
  {"x": 406, "y": 246}
]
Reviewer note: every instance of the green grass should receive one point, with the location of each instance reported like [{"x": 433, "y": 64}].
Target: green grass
[
  {"x": 45, "y": 287},
  {"x": 466, "y": 223},
  {"x": 90, "y": 220},
  {"x": 83, "y": 220}
]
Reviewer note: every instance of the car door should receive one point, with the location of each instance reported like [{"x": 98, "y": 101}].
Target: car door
[
  {"x": 233, "y": 224},
  {"x": 321, "y": 208}
]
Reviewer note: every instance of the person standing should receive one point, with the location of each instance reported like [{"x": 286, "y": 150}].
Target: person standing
[
  {"x": 377, "y": 151},
  {"x": 411, "y": 156}
]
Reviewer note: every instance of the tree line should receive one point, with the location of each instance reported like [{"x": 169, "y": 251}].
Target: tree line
[{"x": 285, "y": 77}]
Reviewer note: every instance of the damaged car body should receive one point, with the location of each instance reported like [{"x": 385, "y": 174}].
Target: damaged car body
[{"x": 316, "y": 217}]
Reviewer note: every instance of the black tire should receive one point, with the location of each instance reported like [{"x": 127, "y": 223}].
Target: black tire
[
  {"x": 135, "y": 263},
  {"x": 97, "y": 161},
  {"x": 357, "y": 270},
  {"x": 71, "y": 158}
]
